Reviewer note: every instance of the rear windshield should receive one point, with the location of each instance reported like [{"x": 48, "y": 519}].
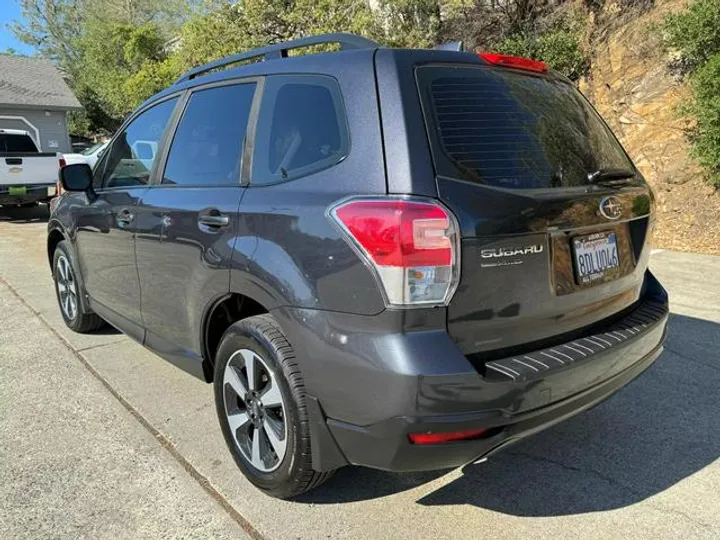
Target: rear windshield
[
  {"x": 16, "y": 143},
  {"x": 507, "y": 129}
]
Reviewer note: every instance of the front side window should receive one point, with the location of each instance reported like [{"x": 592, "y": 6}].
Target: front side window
[
  {"x": 302, "y": 128},
  {"x": 133, "y": 153},
  {"x": 207, "y": 147}
]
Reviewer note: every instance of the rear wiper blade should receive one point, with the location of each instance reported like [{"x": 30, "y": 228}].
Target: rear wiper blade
[{"x": 614, "y": 176}]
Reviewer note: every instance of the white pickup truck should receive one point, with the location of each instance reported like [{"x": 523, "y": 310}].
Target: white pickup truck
[{"x": 27, "y": 176}]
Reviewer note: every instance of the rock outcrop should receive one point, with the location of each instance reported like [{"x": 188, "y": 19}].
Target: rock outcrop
[{"x": 632, "y": 87}]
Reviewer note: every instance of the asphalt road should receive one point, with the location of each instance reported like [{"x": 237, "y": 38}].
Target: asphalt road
[{"x": 101, "y": 439}]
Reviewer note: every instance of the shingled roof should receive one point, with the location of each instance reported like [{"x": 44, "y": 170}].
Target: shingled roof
[{"x": 33, "y": 82}]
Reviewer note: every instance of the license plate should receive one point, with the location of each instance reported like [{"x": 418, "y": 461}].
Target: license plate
[
  {"x": 17, "y": 190},
  {"x": 596, "y": 257}
]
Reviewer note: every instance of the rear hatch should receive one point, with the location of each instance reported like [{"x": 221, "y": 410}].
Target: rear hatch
[{"x": 553, "y": 214}]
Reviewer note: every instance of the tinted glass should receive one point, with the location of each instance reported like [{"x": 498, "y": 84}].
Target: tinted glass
[
  {"x": 90, "y": 150},
  {"x": 512, "y": 130},
  {"x": 207, "y": 147},
  {"x": 16, "y": 143},
  {"x": 134, "y": 151},
  {"x": 302, "y": 128}
]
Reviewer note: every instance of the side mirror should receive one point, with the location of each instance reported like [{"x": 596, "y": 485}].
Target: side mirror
[{"x": 76, "y": 177}]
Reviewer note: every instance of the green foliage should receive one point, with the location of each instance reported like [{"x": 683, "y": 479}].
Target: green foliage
[
  {"x": 232, "y": 28},
  {"x": 705, "y": 109},
  {"x": 695, "y": 32},
  {"x": 116, "y": 54},
  {"x": 79, "y": 124},
  {"x": 409, "y": 23},
  {"x": 123, "y": 64},
  {"x": 149, "y": 79},
  {"x": 560, "y": 49}
]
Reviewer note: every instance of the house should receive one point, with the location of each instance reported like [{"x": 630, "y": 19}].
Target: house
[{"x": 35, "y": 98}]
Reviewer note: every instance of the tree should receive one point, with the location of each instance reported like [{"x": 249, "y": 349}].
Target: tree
[
  {"x": 410, "y": 23},
  {"x": 51, "y": 27},
  {"x": 120, "y": 65},
  {"x": 234, "y": 27}
]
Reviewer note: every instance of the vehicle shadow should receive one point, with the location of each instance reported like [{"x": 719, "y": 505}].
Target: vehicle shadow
[
  {"x": 107, "y": 330},
  {"x": 34, "y": 214},
  {"x": 657, "y": 431}
]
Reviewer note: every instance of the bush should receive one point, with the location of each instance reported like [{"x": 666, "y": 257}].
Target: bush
[
  {"x": 559, "y": 48},
  {"x": 694, "y": 32},
  {"x": 705, "y": 109}
]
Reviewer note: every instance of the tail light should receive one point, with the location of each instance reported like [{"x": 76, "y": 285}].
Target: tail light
[
  {"x": 516, "y": 62},
  {"x": 439, "y": 438},
  {"x": 410, "y": 244}
]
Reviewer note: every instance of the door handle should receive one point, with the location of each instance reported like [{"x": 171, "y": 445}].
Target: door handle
[
  {"x": 125, "y": 216},
  {"x": 212, "y": 217}
]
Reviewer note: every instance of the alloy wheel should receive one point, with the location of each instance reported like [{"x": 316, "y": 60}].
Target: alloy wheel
[
  {"x": 255, "y": 410},
  {"x": 67, "y": 288}
]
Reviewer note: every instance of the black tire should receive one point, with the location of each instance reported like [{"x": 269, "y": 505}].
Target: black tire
[
  {"x": 294, "y": 474},
  {"x": 81, "y": 319}
]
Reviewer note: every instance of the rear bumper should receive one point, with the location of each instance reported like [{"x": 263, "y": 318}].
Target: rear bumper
[
  {"x": 375, "y": 391},
  {"x": 32, "y": 193},
  {"x": 386, "y": 445}
]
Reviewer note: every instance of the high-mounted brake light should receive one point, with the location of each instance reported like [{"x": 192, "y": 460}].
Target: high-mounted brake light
[
  {"x": 411, "y": 244},
  {"x": 437, "y": 438},
  {"x": 514, "y": 62}
]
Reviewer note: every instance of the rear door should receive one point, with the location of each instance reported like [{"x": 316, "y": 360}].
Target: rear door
[
  {"x": 544, "y": 250},
  {"x": 187, "y": 222}
]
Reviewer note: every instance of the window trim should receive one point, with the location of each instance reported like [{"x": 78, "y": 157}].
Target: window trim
[
  {"x": 249, "y": 141},
  {"x": 341, "y": 110},
  {"x": 161, "y": 143}
]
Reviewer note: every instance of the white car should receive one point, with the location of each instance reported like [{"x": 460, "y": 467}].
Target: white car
[{"x": 89, "y": 155}]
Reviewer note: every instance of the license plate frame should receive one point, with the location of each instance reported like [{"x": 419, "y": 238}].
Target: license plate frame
[
  {"x": 17, "y": 190},
  {"x": 596, "y": 258}
]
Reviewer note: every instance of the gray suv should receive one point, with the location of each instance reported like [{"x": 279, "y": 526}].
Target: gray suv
[{"x": 401, "y": 259}]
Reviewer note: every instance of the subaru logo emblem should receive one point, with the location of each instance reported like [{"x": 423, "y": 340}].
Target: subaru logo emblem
[{"x": 611, "y": 207}]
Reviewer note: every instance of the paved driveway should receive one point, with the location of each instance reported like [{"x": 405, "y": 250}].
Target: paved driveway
[{"x": 101, "y": 439}]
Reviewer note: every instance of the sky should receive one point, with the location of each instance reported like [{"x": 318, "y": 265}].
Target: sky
[{"x": 10, "y": 11}]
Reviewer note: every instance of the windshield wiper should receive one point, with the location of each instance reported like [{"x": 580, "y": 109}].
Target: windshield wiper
[{"x": 611, "y": 176}]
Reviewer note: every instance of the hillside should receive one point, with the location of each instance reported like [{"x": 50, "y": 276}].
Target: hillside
[{"x": 632, "y": 86}]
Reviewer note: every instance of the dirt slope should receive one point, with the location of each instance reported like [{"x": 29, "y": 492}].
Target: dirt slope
[{"x": 632, "y": 87}]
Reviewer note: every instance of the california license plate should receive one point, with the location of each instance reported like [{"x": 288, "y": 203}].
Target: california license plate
[
  {"x": 596, "y": 257},
  {"x": 17, "y": 190}
]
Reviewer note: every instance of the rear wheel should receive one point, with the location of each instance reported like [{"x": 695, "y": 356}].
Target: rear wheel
[
  {"x": 260, "y": 401},
  {"x": 68, "y": 290}
]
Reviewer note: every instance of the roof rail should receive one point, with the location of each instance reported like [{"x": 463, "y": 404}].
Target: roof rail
[{"x": 280, "y": 50}]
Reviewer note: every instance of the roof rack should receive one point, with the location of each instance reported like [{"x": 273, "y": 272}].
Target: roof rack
[{"x": 280, "y": 50}]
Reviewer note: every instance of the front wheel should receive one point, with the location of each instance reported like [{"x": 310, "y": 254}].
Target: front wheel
[
  {"x": 260, "y": 401},
  {"x": 68, "y": 290}
]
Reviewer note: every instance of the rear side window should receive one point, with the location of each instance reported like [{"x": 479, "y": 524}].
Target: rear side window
[
  {"x": 301, "y": 128},
  {"x": 207, "y": 147},
  {"x": 511, "y": 130},
  {"x": 16, "y": 143}
]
